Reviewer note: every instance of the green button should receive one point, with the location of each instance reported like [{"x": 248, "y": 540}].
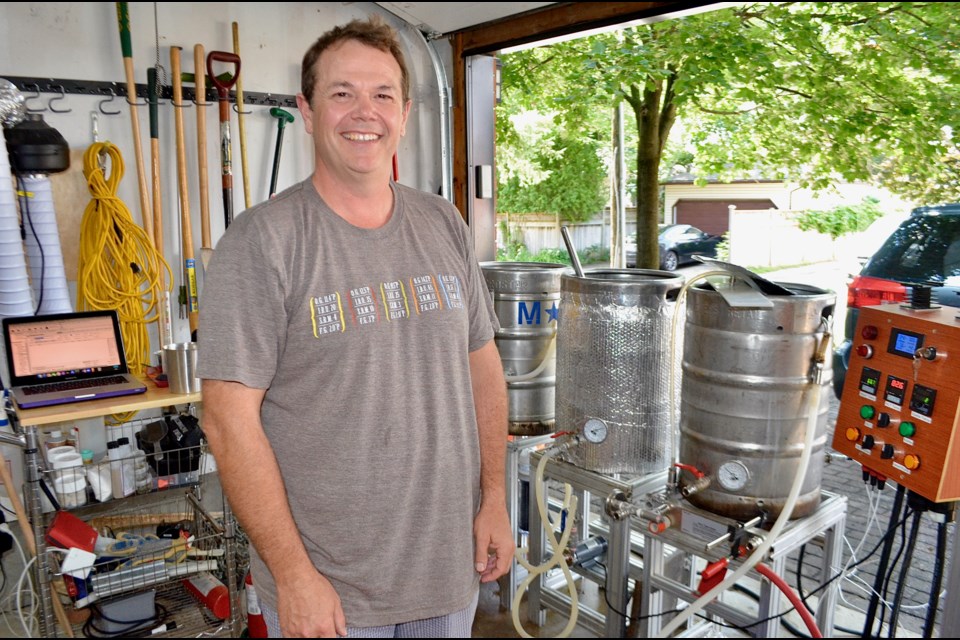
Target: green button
[
  {"x": 907, "y": 429},
  {"x": 867, "y": 412}
]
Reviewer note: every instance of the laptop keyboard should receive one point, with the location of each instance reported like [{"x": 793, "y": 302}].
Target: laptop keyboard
[{"x": 73, "y": 384}]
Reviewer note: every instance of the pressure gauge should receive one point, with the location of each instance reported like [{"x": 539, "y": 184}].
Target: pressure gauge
[
  {"x": 595, "y": 430},
  {"x": 733, "y": 475}
]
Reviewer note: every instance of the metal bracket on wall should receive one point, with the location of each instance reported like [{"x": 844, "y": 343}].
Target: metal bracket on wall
[{"x": 119, "y": 89}]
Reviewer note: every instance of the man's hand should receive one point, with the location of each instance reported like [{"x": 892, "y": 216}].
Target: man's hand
[
  {"x": 495, "y": 543},
  {"x": 310, "y": 608}
]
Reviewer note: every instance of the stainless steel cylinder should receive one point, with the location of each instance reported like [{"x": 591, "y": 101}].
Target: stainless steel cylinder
[
  {"x": 526, "y": 297},
  {"x": 614, "y": 365},
  {"x": 746, "y": 399}
]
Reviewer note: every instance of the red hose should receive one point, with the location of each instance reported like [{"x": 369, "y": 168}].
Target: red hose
[
  {"x": 792, "y": 596},
  {"x": 689, "y": 467}
]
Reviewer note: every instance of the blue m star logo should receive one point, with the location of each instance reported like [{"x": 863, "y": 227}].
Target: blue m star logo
[{"x": 531, "y": 314}]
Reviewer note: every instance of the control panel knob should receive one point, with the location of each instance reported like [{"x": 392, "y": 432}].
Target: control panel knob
[
  {"x": 883, "y": 420},
  {"x": 911, "y": 461},
  {"x": 887, "y": 452},
  {"x": 930, "y": 353},
  {"x": 907, "y": 429},
  {"x": 868, "y": 441}
]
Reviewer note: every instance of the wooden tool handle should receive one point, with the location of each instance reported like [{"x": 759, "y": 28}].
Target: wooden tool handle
[
  {"x": 199, "y": 71},
  {"x": 186, "y": 231},
  {"x": 240, "y": 119}
]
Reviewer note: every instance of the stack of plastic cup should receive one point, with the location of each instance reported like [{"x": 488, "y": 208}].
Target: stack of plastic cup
[
  {"x": 47, "y": 276},
  {"x": 16, "y": 298}
]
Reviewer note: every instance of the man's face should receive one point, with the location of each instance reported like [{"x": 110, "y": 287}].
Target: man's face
[{"x": 356, "y": 114}]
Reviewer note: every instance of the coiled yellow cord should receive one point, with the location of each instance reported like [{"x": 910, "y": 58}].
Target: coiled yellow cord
[{"x": 119, "y": 267}]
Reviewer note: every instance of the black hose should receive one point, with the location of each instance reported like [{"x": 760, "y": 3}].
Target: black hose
[
  {"x": 941, "y": 560},
  {"x": 893, "y": 567},
  {"x": 907, "y": 559},
  {"x": 882, "y": 568},
  {"x": 803, "y": 599}
]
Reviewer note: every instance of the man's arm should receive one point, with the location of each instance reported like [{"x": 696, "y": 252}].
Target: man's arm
[
  {"x": 491, "y": 528},
  {"x": 308, "y": 605}
]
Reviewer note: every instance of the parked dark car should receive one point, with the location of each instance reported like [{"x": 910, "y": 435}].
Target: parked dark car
[
  {"x": 678, "y": 244},
  {"x": 923, "y": 250}
]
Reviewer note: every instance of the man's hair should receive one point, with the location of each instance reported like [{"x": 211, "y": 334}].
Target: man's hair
[{"x": 373, "y": 32}]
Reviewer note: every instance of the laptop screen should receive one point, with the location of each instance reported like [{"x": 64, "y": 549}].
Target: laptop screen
[{"x": 63, "y": 347}]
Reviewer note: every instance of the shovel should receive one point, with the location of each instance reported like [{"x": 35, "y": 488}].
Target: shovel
[{"x": 223, "y": 96}]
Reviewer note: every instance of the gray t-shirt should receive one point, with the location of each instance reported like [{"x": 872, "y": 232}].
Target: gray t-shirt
[{"x": 361, "y": 338}]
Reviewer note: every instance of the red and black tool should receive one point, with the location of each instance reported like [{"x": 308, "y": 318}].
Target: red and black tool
[{"x": 223, "y": 87}]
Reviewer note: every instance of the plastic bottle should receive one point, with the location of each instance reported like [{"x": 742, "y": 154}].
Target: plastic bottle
[
  {"x": 116, "y": 468},
  {"x": 256, "y": 625},
  {"x": 55, "y": 439},
  {"x": 127, "y": 467},
  {"x": 73, "y": 438},
  {"x": 119, "y": 483},
  {"x": 144, "y": 479},
  {"x": 211, "y": 592}
]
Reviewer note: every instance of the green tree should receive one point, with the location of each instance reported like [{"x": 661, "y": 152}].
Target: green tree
[
  {"x": 841, "y": 220},
  {"x": 808, "y": 92},
  {"x": 573, "y": 185}
]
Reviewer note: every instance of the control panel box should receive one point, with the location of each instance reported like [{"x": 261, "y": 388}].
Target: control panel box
[{"x": 899, "y": 408}]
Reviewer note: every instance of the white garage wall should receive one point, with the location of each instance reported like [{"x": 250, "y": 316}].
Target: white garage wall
[{"x": 80, "y": 41}]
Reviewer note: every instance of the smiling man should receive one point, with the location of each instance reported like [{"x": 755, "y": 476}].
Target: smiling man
[{"x": 353, "y": 395}]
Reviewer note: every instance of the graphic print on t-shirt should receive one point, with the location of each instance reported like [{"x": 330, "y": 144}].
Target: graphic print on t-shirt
[
  {"x": 363, "y": 306},
  {"x": 387, "y": 301},
  {"x": 327, "y": 314},
  {"x": 395, "y": 300},
  {"x": 450, "y": 286},
  {"x": 426, "y": 296}
]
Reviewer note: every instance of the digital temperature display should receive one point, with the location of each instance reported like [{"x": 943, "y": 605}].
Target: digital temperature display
[
  {"x": 869, "y": 381},
  {"x": 895, "y": 391},
  {"x": 904, "y": 343}
]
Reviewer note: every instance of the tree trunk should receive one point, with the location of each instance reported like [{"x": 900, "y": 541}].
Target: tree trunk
[
  {"x": 647, "y": 112},
  {"x": 655, "y": 112}
]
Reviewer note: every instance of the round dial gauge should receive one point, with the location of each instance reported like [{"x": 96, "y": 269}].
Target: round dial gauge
[
  {"x": 595, "y": 430},
  {"x": 733, "y": 476}
]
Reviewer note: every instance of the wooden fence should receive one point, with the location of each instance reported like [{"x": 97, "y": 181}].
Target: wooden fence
[
  {"x": 757, "y": 238},
  {"x": 542, "y": 231}
]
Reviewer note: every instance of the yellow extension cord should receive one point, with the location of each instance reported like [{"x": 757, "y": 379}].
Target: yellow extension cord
[{"x": 119, "y": 267}]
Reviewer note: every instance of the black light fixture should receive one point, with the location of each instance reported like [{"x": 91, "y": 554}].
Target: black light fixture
[{"x": 36, "y": 148}]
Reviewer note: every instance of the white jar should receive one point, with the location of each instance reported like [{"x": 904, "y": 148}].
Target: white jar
[
  {"x": 67, "y": 460},
  {"x": 71, "y": 488}
]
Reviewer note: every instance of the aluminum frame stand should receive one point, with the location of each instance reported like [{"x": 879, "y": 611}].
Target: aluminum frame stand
[
  {"x": 828, "y": 520},
  {"x": 541, "y": 594}
]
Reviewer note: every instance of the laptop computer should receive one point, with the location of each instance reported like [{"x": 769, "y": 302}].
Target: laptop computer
[{"x": 67, "y": 357}]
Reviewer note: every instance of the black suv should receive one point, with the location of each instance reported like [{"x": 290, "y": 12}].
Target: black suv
[{"x": 924, "y": 250}]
